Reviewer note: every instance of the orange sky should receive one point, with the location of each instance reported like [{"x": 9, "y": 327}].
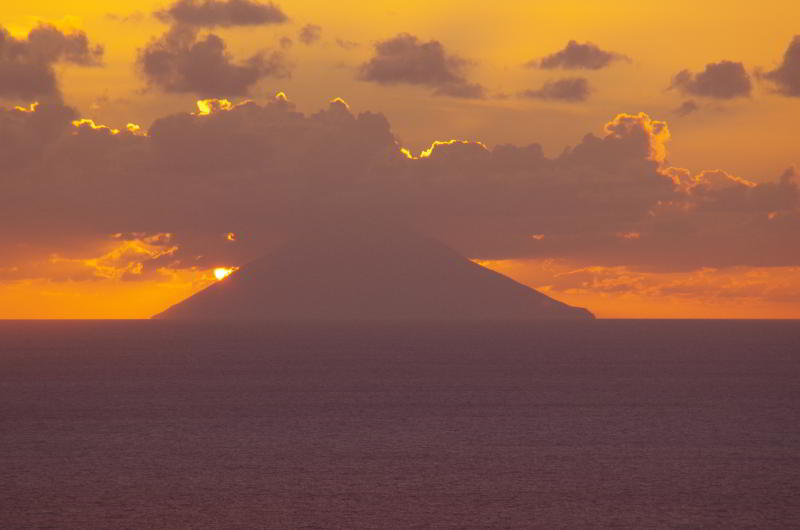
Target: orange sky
[
  {"x": 752, "y": 137},
  {"x": 661, "y": 38}
]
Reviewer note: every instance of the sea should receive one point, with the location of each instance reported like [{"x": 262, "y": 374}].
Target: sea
[{"x": 592, "y": 424}]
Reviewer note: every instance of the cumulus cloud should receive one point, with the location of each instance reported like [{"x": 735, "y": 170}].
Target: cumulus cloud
[
  {"x": 26, "y": 65},
  {"x": 309, "y": 34},
  {"x": 262, "y": 171},
  {"x": 571, "y": 89},
  {"x": 181, "y": 61},
  {"x": 576, "y": 56},
  {"x": 225, "y": 13},
  {"x": 722, "y": 80},
  {"x": 786, "y": 77},
  {"x": 405, "y": 59}
]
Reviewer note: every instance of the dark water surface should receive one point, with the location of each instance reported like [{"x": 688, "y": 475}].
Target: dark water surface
[{"x": 640, "y": 424}]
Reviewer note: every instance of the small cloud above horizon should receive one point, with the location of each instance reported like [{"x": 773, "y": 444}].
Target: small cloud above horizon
[
  {"x": 309, "y": 34},
  {"x": 180, "y": 61},
  {"x": 569, "y": 89},
  {"x": 404, "y": 59},
  {"x": 722, "y": 80},
  {"x": 687, "y": 107},
  {"x": 223, "y": 13},
  {"x": 579, "y": 56}
]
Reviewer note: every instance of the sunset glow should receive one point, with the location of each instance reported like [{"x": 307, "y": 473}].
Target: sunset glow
[{"x": 666, "y": 174}]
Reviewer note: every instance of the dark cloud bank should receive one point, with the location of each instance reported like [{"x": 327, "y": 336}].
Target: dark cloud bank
[{"x": 262, "y": 171}]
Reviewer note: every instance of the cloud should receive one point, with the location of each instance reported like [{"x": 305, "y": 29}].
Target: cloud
[
  {"x": 180, "y": 61},
  {"x": 462, "y": 90},
  {"x": 262, "y": 171},
  {"x": 707, "y": 286},
  {"x": 576, "y": 56},
  {"x": 130, "y": 257},
  {"x": 746, "y": 284},
  {"x": 309, "y": 34},
  {"x": 212, "y": 13},
  {"x": 26, "y": 65},
  {"x": 722, "y": 80},
  {"x": 687, "y": 107},
  {"x": 786, "y": 77},
  {"x": 404, "y": 59},
  {"x": 570, "y": 89}
]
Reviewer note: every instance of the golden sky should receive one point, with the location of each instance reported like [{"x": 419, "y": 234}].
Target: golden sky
[{"x": 750, "y": 134}]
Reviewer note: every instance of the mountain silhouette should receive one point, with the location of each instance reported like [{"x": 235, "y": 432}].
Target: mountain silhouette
[{"x": 367, "y": 273}]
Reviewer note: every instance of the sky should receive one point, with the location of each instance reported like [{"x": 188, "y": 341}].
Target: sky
[{"x": 635, "y": 158}]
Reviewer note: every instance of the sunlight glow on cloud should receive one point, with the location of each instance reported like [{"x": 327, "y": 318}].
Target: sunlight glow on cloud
[
  {"x": 656, "y": 132},
  {"x": 334, "y": 100},
  {"x": 124, "y": 261},
  {"x": 30, "y": 108},
  {"x": 426, "y": 153},
  {"x": 207, "y": 106},
  {"x": 85, "y": 122}
]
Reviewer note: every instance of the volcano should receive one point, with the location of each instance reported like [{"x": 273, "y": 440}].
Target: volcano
[{"x": 364, "y": 274}]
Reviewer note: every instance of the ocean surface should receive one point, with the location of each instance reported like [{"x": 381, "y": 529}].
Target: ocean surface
[{"x": 625, "y": 424}]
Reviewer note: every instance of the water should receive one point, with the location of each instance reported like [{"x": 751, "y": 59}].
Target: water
[{"x": 611, "y": 423}]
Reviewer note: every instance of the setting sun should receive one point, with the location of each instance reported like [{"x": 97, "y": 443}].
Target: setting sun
[{"x": 223, "y": 272}]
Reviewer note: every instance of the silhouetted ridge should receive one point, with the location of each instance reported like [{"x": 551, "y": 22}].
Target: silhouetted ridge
[{"x": 360, "y": 273}]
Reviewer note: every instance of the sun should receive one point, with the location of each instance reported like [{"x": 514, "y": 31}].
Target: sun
[{"x": 223, "y": 272}]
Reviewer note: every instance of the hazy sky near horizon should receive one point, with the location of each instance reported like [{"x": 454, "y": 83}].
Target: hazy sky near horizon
[{"x": 631, "y": 157}]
